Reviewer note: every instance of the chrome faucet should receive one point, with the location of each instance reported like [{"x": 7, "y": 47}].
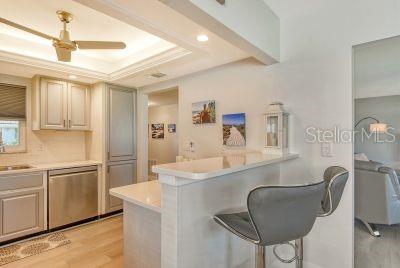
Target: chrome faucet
[{"x": 2, "y": 145}]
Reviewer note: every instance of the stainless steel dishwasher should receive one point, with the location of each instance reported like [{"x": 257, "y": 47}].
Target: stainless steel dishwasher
[{"x": 72, "y": 195}]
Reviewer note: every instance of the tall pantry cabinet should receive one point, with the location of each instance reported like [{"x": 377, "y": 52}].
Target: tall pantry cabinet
[
  {"x": 120, "y": 142},
  {"x": 113, "y": 139}
]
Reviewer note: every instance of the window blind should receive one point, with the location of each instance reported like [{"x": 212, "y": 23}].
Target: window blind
[{"x": 12, "y": 101}]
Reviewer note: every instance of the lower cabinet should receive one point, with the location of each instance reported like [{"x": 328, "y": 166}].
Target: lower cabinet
[
  {"x": 21, "y": 209},
  {"x": 119, "y": 174}
]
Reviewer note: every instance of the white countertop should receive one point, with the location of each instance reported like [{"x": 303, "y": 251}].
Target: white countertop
[
  {"x": 52, "y": 166},
  {"x": 217, "y": 166},
  {"x": 145, "y": 194}
]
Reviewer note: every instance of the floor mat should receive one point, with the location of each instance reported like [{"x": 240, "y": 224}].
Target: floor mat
[{"x": 32, "y": 247}]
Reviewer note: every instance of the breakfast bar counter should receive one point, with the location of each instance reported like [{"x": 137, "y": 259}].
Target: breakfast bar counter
[
  {"x": 169, "y": 223},
  {"x": 142, "y": 224}
]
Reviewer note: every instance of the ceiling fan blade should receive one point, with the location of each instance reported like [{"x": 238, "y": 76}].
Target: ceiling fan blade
[
  {"x": 26, "y": 29},
  {"x": 100, "y": 45},
  {"x": 63, "y": 54}
]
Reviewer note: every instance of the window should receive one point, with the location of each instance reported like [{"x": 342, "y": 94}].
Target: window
[
  {"x": 10, "y": 132},
  {"x": 12, "y": 117}
]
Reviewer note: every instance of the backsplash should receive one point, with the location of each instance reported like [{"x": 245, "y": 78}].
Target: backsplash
[{"x": 47, "y": 146}]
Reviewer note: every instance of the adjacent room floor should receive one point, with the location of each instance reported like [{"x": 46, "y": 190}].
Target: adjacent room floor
[
  {"x": 96, "y": 244},
  {"x": 383, "y": 252}
]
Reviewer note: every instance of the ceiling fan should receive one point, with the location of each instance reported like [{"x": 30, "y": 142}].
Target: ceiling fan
[{"x": 64, "y": 45}]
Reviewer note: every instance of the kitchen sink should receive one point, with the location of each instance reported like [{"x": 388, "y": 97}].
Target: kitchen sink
[{"x": 15, "y": 167}]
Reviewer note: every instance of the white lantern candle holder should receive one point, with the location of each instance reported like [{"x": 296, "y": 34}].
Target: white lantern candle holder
[{"x": 276, "y": 130}]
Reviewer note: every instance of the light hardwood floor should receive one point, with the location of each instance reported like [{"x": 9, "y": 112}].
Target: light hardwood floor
[
  {"x": 97, "y": 244},
  {"x": 383, "y": 252}
]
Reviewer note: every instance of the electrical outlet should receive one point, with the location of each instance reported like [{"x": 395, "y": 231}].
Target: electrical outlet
[
  {"x": 41, "y": 147},
  {"x": 326, "y": 149}
]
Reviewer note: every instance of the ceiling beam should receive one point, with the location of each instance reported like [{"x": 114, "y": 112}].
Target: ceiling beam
[{"x": 248, "y": 25}]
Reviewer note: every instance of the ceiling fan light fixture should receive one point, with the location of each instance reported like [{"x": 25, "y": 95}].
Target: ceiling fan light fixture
[{"x": 64, "y": 45}]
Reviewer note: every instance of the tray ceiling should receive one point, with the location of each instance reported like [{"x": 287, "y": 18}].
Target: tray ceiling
[{"x": 143, "y": 49}]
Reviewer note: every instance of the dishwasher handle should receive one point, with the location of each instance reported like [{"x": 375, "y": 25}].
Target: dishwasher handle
[{"x": 72, "y": 170}]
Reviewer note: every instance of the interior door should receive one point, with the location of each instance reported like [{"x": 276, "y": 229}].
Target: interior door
[
  {"x": 119, "y": 174},
  {"x": 78, "y": 107},
  {"x": 53, "y": 104},
  {"x": 121, "y": 123}
]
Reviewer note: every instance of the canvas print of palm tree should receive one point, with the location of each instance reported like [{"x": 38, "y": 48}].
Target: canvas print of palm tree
[
  {"x": 234, "y": 129},
  {"x": 203, "y": 112}
]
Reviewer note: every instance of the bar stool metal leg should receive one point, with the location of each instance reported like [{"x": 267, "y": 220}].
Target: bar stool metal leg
[
  {"x": 260, "y": 257},
  {"x": 299, "y": 253},
  {"x": 371, "y": 229}
]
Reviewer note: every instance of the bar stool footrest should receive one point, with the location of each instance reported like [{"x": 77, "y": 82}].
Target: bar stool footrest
[{"x": 286, "y": 260}]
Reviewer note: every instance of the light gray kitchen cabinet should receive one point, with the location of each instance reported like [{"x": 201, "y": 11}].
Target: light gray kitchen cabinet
[
  {"x": 60, "y": 105},
  {"x": 78, "y": 107},
  {"x": 119, "y": 174},
  {"x": 21, "y": 209},
  {"x": 53, "y": 104},
  {"x": 121, "y": 123}
]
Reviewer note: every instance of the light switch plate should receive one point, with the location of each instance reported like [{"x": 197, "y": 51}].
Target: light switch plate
[{"x": 327, "y": 149}]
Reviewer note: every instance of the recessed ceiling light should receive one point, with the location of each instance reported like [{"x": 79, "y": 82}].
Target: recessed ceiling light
[
  {"x": 71, "y": 76},
  {"x": 202, "y": 38}
]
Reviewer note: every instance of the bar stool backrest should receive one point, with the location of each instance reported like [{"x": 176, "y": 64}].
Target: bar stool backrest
[
  {"x": 335, "y": 178},
  {"x": 280, "y": 214}
]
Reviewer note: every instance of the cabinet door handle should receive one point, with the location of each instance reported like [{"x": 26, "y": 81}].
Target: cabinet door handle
[{"x": 64, "y": 123}]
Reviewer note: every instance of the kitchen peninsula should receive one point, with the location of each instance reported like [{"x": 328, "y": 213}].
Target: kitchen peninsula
[{"x": 170, "y": 221}]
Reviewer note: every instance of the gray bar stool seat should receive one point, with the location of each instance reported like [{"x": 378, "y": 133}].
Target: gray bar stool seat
[
  {"x": 239, "y": 224},
  {"x": 279, "y": 214}
]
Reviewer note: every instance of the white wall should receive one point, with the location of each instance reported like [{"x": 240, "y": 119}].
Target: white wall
[
  {"x": 236, "y": 88},
  {"x": 164, "y": 150},
  {"x": 377, "y": 68},
  {"x": 45, "y": 145},
  {"x": 314, "y": 80}
]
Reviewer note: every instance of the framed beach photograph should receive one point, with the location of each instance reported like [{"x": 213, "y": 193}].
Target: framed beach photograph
[
  {"x": 234, "y": 129},
  {"x": 157, "y": 131},
  {"x": 203, "y": 112},
  {"x": 171, "y": 128}
]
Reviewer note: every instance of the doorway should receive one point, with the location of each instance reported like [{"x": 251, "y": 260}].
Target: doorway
[
  {"x": 377, "y": 153},
  {"x": 163, "y": 129}
]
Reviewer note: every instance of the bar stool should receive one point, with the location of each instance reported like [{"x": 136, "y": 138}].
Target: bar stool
[
  {"x": 269, "y": 208},
  {"x": 335, "y": 179}
]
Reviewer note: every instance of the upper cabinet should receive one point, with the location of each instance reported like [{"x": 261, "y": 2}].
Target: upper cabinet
[
  {"x": 53, "y": 104},
  {"x": 60, "y": 105},
  {"x": 121, "y": 123},
  {"x": 78, "y": 107}
]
